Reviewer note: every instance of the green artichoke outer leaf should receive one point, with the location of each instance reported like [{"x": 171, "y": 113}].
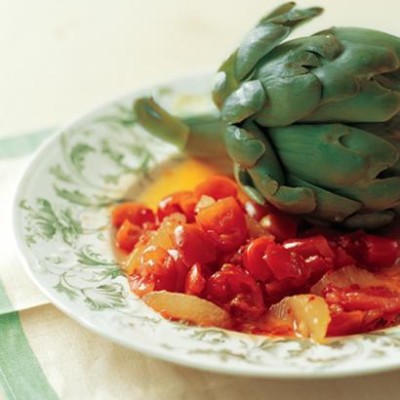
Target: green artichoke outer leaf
[
  {"x": 259, "y": 172},
  {"x": 266, "y": 35},
  {"x": 390, "y": 131},
  {"x": 243, "y": 102},
  {"x": 332, "y": 156},
  {"x": 249, "y": 147},
  {"x": 390, "y": 80},
  {"x": 326, "y": 46},
  {"x": 258, "y": 42},
  {"x": 330, "y": 207},
  {"x": 294, "y": 200},
  {"x": 299, "y": 56},
  {"x": 375, "y": 60},
  {"x": 270, "y": 31},
  {"x": 370, "y": 61},
  {"x": 378, "y": 194},
  {"x": 290, "y": 16},
  {"x": 281, "y": 9},
  {"x": 336, "y": 86},
  {"x": 373, "y": 103},
  {"x": 289, "y": 99},
  {"x": 246, "y": 149},
  {"x": 243, "y": 178},
  {"x": 370, "y": 220},
  {"x": 365, "y": 36},
  {"x": 225, "y": 81}
]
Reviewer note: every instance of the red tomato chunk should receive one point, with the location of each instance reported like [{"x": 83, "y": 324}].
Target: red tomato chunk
[{"x": 225, "y": 223}]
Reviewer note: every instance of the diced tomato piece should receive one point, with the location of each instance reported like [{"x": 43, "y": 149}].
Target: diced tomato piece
[
  {"x": 195, "y": 280},
  {"x": 157, "y": 267},
  {"x": 194, "y": 245},
  {"x": 283, "y": 263},
  {"x": 254, "y": 261},
  {"x": 135, "y": 213},
  {"x": 281, "y": 225},
  {"x": 217, "y": 187},
  {"x": 372, "y": 298},
  {"x": 235, "y": 290},
  {"x": 345, "y": 323},
  {"x": 351, "y": 322},
  {"x": 342, "y": 258},
  {"x": 317, "y": 266},
  {"x": 371, "y": 251},
  {"x": 224, "y": 221},
  {"x": 128, "y": 235},
  {"x": 316, "y": 252},
  {"x": 310, "y": 246},
  {"x": 180, "y": 202},
  {"x": 379, "y": 251}
]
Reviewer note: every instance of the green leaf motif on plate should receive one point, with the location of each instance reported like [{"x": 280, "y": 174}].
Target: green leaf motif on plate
[
  {"x": 79, "y": 153},
  {"x": 61, "y": 287},
  {"x": 60, "y": 174},
  {"x": 77, "y": 197},
  {"x": 46, "y": 223},
  {"x": 105, "y": 296},
  {"x": 87, "y": 256}
]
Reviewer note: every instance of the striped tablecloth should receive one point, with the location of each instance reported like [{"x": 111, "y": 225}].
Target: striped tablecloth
[{"x": 45, "y": 355}]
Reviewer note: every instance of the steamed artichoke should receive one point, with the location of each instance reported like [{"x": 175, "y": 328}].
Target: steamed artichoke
[{"x": 311, "y": 125}]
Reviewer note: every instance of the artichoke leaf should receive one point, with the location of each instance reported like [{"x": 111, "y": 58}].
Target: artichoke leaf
[
  {"x": 332, "y": 155},
  {"x": 288, "y": 99},
  {"x": 390, "y": 131},
  {"x": 363, "y": 36},
  {"x": 326, "y": 46},
  {"x": 249, "y": 147},
  {"x": 294, "y": 200},
  {"x": 329, "y": 206},
  {"x": 225, "y": 81},
  {"x": 259, "y": 172},
  {"x": 378, "y": 194},
  {"x": 267, "y": 34},
  {"x": 243, "y": 102},
  {"x": 294, "y": 57},
  {"x": 375, "y": 60},
  {"x": 243, "y": 178},
  {"x": 257, "y": 43},
  {"x": 369, "y": 220},
  {"x": 373, "y": 103},
  {"x": 337, "y": 85}
]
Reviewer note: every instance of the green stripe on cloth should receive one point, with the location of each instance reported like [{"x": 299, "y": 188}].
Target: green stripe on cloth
[
  {"x": 21, "y": 145},
  {"x": 20, "y": 373}
]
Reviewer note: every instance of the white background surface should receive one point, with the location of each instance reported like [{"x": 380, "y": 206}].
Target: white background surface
[{"x": 61, "y": 58}]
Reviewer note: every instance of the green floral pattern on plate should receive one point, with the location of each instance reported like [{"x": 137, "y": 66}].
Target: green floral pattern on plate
[{"x": 62, "y": 227}]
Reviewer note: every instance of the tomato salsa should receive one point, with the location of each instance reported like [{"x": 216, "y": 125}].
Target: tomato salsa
[{"x": 212, "y": 256}]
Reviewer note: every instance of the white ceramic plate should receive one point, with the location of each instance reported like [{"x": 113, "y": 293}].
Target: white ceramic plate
[{"x": 62, "y": 228}]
